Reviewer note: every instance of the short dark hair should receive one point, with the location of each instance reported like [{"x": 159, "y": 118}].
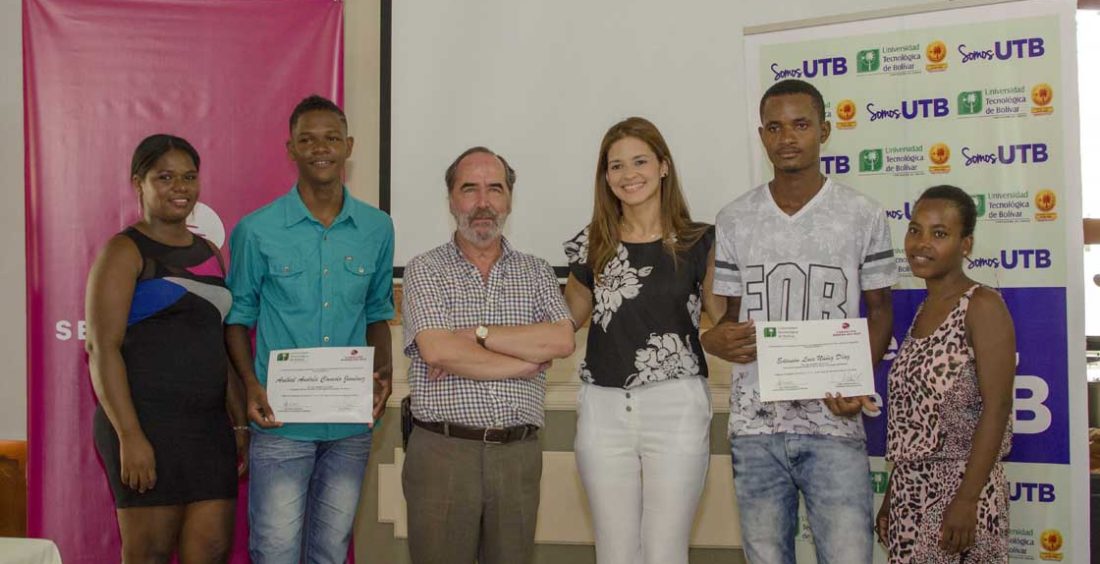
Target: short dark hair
[
  {"x": 794, "y": 86},
  {"x": 316, "y": 103},
  {"x": 962, "y": 201},
  {"x": 509, "y": 172},
  {"x": 154, "y": 147}
]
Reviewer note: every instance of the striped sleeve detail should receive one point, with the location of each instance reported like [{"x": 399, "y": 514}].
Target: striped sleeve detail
[
  {"x": 874, "y": 257},
  {"x": 722, "y": 265},
  {"x": 879, "y": 269}
]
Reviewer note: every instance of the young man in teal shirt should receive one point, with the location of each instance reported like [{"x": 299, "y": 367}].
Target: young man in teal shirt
[{"x": 311, "y": 269}]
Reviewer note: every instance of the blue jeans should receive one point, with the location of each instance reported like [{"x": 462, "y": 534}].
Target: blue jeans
[
  {"x": 302, "y": 497},
  {"x": 834, "y": 477}
]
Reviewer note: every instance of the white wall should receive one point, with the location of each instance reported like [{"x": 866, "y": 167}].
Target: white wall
[
  {"x": 360, "y": 76},
  {"x": 541, "y": 83}
]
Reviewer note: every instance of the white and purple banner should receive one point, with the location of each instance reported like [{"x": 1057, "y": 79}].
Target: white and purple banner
[{"x": 985, "y": 98}]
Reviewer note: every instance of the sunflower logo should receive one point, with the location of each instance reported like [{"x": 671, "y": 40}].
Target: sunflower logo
[
  {"x": 1042, "y": 94},
  {"x": 940, "y": 153},
  {"x": 846, "y": 110},
  {"x": 1045, "y": 200},
  {"x": 936, "y": 51},
  {"x": 1051, "y": 540}
]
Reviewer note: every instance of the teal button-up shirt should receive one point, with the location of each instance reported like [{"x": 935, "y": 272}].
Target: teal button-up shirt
[{"x": 303, "y": 285}]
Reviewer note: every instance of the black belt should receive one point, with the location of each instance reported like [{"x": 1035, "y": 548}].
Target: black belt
[{"x": 498, "y": 435}]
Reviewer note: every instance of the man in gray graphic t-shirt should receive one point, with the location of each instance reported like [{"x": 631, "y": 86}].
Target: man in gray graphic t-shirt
[{"x": 801, "y": 247}]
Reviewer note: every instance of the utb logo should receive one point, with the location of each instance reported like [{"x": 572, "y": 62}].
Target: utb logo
[
  {"x": 769, "y": 331},
  {"x": 1042, "y": 94},
  {"x": 936, "y": 51},
  {"x": 868, "y": 61},
  {"x": 1045, "y": 200},
  {"x": 940, "y": 153},
  {"x": 979, "y": 202},
  {"x": 1051, "y": 540},
  {"x": 870, "y": 160},
  {"x": 846, "y": 110},
  {"x": 970, "y": 102}
]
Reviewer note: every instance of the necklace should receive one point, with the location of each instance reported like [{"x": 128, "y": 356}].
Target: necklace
[{"x": 640, "y": 236}]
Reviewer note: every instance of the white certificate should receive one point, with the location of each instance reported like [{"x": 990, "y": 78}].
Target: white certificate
[
  {"x": 322, "y": 385},
  {"x": 800, "y": 360}
]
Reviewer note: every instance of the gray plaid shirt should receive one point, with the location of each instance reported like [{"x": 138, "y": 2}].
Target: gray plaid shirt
[{"x": 443, "y": 290}]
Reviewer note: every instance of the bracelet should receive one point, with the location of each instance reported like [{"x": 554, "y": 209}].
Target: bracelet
[{"x": 244, "y": 428}]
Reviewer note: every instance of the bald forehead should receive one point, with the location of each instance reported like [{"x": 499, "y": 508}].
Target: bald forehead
[
  {"x": 475, "y": 160},
  {"x": 480, "y": 167}
]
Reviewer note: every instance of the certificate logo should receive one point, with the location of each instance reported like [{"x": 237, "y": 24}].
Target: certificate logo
[
  {"x": 939, "y": 154},
  {"x": 1045, "y": 201},
  {"x": 936, "y": 53},
  {"x": 354, "y": 352},
  {"x": 845, "y": 325},
  {"x": 769, "y": 332},
  {"x": 870, "y": 160},
  {"x": 1051, "y": 542},
  {"x": 970, "y": 102},
  {"x": 280, "y": 357},
  {"x": 1042, "y": 95},
  {"x": 868, "y": 60}
]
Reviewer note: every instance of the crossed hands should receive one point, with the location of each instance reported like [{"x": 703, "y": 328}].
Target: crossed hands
[{"x": 532, "y": 369}]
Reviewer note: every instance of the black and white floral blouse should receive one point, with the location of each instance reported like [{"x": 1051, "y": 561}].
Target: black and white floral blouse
[{"x": 645, "y": 316}]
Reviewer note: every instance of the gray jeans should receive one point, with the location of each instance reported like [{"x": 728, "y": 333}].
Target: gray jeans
[{"x": 470, "y": 500}]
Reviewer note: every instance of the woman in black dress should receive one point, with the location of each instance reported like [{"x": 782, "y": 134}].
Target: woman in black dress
[
  {"x": 643, "y": 423},
  {"x": 168, "y": 412}
]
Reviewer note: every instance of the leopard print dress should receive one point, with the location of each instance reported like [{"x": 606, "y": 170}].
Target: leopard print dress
[{"x": 934, "y": 405}]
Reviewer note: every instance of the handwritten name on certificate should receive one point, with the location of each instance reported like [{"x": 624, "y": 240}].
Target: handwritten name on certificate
[
  {"x": 805, "y": 359},
  {"x": 322, "y": 385}
]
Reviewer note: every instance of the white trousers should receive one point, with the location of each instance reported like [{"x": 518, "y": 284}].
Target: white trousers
[{"x": 642, "y": 455}]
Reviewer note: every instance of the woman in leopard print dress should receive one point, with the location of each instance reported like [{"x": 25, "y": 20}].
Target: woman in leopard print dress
[{"x": 950, "y": 398}]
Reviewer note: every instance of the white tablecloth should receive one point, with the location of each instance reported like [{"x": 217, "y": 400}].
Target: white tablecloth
[{"x": 28, "y": 551}]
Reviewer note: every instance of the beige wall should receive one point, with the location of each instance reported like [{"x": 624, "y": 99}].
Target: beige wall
[
  {"x": 362, "y": 65},
  {"x": 13, "y": 305}
]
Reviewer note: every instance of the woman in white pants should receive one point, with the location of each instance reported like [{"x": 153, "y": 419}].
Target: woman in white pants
[{"x": 643, "y": 424}]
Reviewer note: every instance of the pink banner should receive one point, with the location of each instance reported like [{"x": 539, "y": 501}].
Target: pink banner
[{"x": 100, "y": 75}]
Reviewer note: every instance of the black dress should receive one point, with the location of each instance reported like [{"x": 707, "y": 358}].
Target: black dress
[
  {"x": 176, "y": 365},
  {"x": 646, "y": 312}
]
